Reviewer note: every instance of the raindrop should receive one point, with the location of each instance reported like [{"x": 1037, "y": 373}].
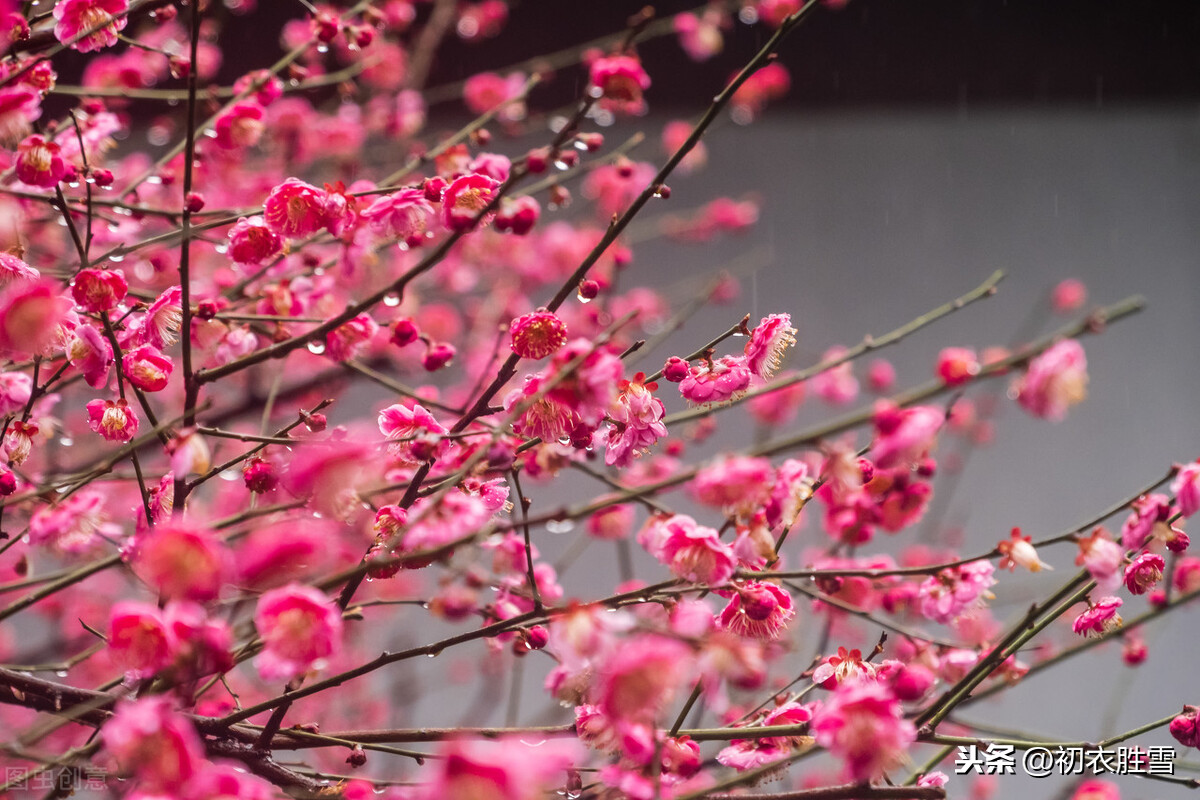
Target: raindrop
[
  {"x": 154, "y": 179},
  {"x": 322, "y": 48},
  {"x": 595, "y": 91},
  {"x": 222, "y": 249},
  {"x": 66, "y": 441},
  {"x": 316, "y": 347},
  {"x": 583, "y": 299},
  {"x": 748, "y": 15},
  {"x": 113, "y": 227},
  {"x": 560, "y": 526},
  {"x": 580, "y": 145},
  {"x": 564, "y": 440},
  {"x": 391, "y": 300},
  {"x": 369, "y": 579},
  {"x": 116, "y": 258},
  {"x": 535, "y": 743},
  {"x": 560, "y": 164},
  {"x": 62, "y": 673},
  {"x": 230, "y": 475},
  {"x": 73, "y": 184}
]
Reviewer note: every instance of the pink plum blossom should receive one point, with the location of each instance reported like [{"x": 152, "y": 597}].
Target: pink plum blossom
[
  {"x": 300, "y": 628},
  {"x": 95, "y": 23},
  {"x": 1054, "y": 381},
  {"x": 1100, "y": 618},
  {"x": 114, "y": 420},
  {"x": 862, "y": 724},
  {"x": 718, "y": 381},
  {"x": 768, "y": 343}
]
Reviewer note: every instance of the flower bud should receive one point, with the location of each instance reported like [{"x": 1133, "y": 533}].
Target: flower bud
[
  {"x": 675, "y": 370},
  {"x": 437, "y": 356},
  {"x": 404, "y": 332}
]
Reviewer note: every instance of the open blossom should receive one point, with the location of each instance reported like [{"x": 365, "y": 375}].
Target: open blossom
[
  {"x": 734, "y": 484},
  {"x": 75, "y": 525},
  {"x": 758, "y": 610},
  {"x": 15, "y": 391},
  {"x": 154, "y": 743},
  {"x": 1102, "y": 557},
  {"x": 181, "y": 561},
  {"x": 252, "y": 242},
  {"x": 1186, "y": 488},
  {"x": 138, "y": 638},
  {"x": 768, "y": 343},
  {"x": 346, "y": 341},
  {"x": 757, "y": 751},
  {"x": 296, "y": 210},
  {"x": 904, "y": 435},
  {"x": 956, "y": 590},
  {"x": 147, "y": 368},
  {"x": 537, "y": 334},
  {"x": 300, "y": 627},
  {"x": 239, "y": 126},
  {"x": 403, "y": 426},
  {"x": 101, "y": 20},
  {"x": 695, "y": 552},
  {"x": 162, "y": 321},
  {"x": 863, "y": 725},
  {"x": 1144, "y": 572},
  {"x": 39, "y": 162},
  {"x": 641, "y": 677},
  {"x": 32, "y": 316},
  {"x": 1147, "y": 519},
  {"x": 507, "y": 769},
  {"x": 1100, "y": 618},
  {"x": 637, "y": 422},
  {"x": 718, "y": 381},
  {"x": 485, "y": 91},
  {"x": 99, "y": 289},
  {"x": 91, "y": 354},
  {"x": 402, "y": 215},
  {"x": 114, "y": 421},
  {"x": 465, "y": 198},
  {"x": 836, "y": 386},
  {"x": 957, "y": 365},
  {"x": 14, "y": 270},
  {"x": 1055, "y": 381},
  {"x": 619, "y": 81}
]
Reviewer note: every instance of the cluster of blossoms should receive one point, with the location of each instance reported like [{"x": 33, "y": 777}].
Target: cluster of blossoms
[{"x": 186, "y": 475}]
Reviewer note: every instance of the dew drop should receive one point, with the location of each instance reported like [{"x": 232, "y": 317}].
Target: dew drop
[
  {"x": 66, "y": 441},
  {"x": 560, "y": 164},
  {"x": 316, "y": 348},
  {"x": 391, "y": 300},
  {"x": 230, "y": 475},
  {"x": 560, "y": 526},
  {"x": 116, "y": 258},
  {"x": 322, "y": 48},
  {"x": 62, "y": 673},
  {"x": 582, "y": 299},
  {"x": 113, "y": 227}
]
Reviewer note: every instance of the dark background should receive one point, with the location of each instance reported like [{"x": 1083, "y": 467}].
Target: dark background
[{"x": 872, "y": 52}]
